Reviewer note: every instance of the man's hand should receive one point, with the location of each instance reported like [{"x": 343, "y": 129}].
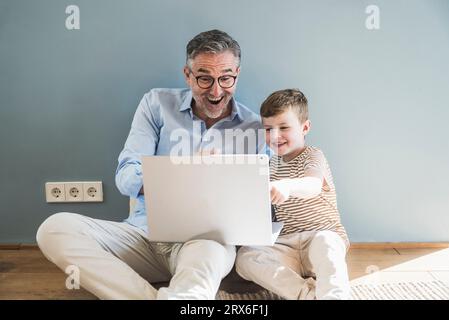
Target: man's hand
[{"x": 279, "y": 191}]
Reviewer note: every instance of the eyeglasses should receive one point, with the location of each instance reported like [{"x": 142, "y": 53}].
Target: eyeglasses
[{"x": 206, "y": 82}]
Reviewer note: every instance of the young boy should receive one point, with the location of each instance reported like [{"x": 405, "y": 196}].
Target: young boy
[{"x": 313, "y": 242}]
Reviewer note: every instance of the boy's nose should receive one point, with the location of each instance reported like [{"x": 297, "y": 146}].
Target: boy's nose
[{"x": 274, "y": 133}]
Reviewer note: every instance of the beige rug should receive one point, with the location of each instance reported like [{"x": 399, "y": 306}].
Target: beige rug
[
  {"x": 259, "y": 295},
  {"x": 431, "y": 290}
]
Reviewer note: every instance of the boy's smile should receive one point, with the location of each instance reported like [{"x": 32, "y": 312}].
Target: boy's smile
[{"x": 284, "y": 134}]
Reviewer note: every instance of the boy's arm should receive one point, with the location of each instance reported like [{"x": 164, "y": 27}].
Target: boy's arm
[
  {"x": 308, "y": 186},
  {"x": 304, "y": 188}
]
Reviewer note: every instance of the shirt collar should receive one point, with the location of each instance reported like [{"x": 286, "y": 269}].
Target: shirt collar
[
  {"x": 186, "y": 103},
  {"x": 236, "y": 112}
]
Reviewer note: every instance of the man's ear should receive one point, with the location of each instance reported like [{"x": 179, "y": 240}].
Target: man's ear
[
  {"x": 237, "y": 73},
  {"x": 186, "y": 72},
  {"x": 306, "y": 127}
]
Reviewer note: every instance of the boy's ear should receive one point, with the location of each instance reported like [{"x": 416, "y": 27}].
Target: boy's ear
[{"x": 306, "y": 127}]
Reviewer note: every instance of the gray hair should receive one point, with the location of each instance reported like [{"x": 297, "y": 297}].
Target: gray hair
[{"x": 212, "y": 41}]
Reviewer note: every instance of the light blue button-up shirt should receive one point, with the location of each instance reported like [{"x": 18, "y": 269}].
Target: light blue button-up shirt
[{"x": 164, "y": 124}]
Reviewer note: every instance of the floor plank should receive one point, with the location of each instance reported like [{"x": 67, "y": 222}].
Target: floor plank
[
  {"x": 372, "y": 253},
  {"x": 406, "y": 260},
  {"x": 36, "y": 286},
  {"x": 26, "y": 274},
  {"x": 25, "y": 261},
  {"x": 421, "y": 251}
]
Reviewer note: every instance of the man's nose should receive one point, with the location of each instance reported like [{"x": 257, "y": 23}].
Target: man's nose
[{"x": 216, "y": 90}]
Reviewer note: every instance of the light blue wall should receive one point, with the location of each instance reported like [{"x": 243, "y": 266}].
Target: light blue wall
[{"x": 379, "y": 100}]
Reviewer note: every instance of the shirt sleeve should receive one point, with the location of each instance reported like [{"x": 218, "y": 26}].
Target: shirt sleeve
[
  {"x": 315, "y": 165},
  {"x": 142, "y": 140}
]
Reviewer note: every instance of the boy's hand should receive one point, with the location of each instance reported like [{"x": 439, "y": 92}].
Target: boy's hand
[{"x": 279, "y": 191}]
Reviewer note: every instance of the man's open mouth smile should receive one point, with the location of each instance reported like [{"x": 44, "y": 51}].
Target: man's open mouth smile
[{"x": 215, "y": 100}]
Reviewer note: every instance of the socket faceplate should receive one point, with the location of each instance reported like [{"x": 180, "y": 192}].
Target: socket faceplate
[{"x": 74, "y": 191}]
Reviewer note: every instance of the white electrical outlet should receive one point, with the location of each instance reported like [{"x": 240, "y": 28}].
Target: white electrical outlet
[
  {"x": 93, "y": 191},
  {"x": 74, "y": 191},
  {"x": 55, "y": 192}
]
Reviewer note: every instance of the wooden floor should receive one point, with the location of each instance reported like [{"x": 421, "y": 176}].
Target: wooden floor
[{"x": 26, "y": 274}]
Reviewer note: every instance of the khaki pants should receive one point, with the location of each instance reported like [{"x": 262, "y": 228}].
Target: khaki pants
[
  {"x": 287, "y": 267},
  {"x": 116, "y": 260}
]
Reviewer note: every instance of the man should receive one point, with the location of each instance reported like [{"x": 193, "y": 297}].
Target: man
[{"x": 115, "y": 259}]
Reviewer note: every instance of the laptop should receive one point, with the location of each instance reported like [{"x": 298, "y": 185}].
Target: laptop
[{"x": 225, "y": 198}]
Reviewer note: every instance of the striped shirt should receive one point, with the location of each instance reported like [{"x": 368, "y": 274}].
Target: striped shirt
[{"x": 313, "y": 214}]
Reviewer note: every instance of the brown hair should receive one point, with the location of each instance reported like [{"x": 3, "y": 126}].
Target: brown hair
[{"x": 282, "y": 100}]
